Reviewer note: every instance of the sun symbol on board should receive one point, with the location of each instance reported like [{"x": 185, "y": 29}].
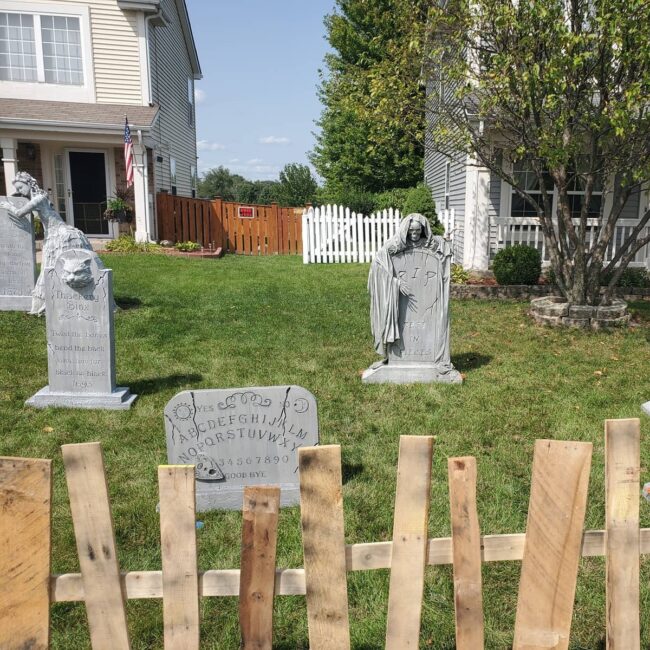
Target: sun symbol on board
[{"x": 183, "y": 411}]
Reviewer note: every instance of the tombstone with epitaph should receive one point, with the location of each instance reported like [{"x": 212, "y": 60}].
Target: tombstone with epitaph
[
  {"x": 17, "y": 259},
  {"x": 409, "y": 292},
  {"x": 241, "y": 436},
  {"x": 80, "y": 336}
]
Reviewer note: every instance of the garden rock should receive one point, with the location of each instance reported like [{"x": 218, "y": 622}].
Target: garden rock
[{"x": 557, "y": 312}]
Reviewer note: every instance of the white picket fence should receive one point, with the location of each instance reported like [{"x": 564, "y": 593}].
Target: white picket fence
[{"x": 335, "y": 234}]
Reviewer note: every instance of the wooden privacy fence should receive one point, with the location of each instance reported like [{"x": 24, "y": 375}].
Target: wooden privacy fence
[
  {"x": 244, "y": 229},
  {"x": 550, "y": 550}
]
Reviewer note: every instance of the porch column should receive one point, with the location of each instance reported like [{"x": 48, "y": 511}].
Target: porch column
[
  {"x": 9, "y": 161},
  {"x": 143, "y": 214},
  {"x": 476, "y": 249}
]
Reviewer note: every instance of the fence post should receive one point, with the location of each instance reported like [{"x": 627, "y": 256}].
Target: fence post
[{"x": 25, "y": 533}]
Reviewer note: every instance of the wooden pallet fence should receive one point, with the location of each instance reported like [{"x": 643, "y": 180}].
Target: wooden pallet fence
[
  {"x": 335, "y": 234},
  {"x": 550, "y": 550},
  {"x": 269, "y": 230}
]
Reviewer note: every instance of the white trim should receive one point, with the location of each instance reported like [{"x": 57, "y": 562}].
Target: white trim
[
  {"x": 48, "y": 91},
  {"x": 145, "y": 71}
]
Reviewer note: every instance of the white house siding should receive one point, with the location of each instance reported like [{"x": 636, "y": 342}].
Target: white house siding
[
  {"x": 173, "y": 136},
  {"x": 116, "y": 54}
]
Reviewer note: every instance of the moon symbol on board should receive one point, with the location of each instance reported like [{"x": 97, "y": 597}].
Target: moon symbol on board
[{"x": 301, "y": 405}]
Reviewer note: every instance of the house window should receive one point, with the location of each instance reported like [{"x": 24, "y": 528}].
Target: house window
[
  {"x": 447, "y": 183},
  {"x": 193, "y": 180},
  {"x": 527, "y": 179},
  {"x": 190, "y": 100},
  {"x": 576, "y": 192},
  {"x": 41, "y": 48},
  {"x": 172, "y": 174}
]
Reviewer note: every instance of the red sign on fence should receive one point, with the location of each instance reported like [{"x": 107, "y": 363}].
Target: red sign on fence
[{"x": 246, "y": 212}]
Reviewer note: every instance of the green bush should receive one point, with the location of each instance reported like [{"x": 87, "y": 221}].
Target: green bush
[
  {"x": 517, "y": 265},
  {"x": 631, "y": 277},
  {"x": 459, "y": 275},
  {"x": 394, "y": 198},
  {"x": 357, "y": 200},
  {"x": 187, "y": 246},
  {"x": 419, "y": 199},
  {"x": 127, "y": 244}
]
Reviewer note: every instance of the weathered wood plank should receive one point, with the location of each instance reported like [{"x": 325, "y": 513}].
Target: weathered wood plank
[
  {"x": 25, "y": 540},
  {"x": 180, "y": 581},
  {"x": 68, "y": 587},
  {"x": 321, "y": 505},
  {"x": 556, "y": 511},
  {"x": 93, "y": 527},
  {"x": 257, "y": 578},
  {"x": 622, "y": 472},
  {"x": 466, "y": 547},
  {"x": 409, "y": 554}
]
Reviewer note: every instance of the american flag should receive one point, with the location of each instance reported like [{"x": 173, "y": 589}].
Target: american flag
[{"x": 128, "y": 153}]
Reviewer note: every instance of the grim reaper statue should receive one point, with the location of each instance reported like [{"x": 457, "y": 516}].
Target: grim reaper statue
[{"x": 409, "y": 307}]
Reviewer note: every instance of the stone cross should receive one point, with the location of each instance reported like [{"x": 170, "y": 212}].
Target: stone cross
[{"x": 80, "y": 336}]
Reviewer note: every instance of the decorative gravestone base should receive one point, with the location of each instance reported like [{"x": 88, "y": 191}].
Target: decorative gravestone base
[
  {"x": 646, "y": 408},
  {"x": 410, "y": 373},
  {"x": 120, "y": 399},
  {"x": 557, "y": 312}
]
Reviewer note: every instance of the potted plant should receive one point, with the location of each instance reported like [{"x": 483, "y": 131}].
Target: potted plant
[{"x": 120, "y": 207}]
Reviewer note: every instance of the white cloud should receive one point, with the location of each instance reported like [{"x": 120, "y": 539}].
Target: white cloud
[
  {"x": 205, "y": 145},
  {"x": 274, "y": 139},
  {"x": 234, "y": 160},
  {"x": 199, "y": 95},
  {"x": 255, "y": 161}
]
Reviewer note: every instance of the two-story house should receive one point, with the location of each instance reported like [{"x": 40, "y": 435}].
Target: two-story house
[{"x": 71, "y": 71}]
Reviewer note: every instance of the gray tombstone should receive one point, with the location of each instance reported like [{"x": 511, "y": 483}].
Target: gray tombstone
[
  {"x": 646, "y": 407},
  {"x": 80, "y": 336},
  {"x": 17, "y": 260},
  {"x": 409, "y": 292},
  {"x": 241, "y": 436}
]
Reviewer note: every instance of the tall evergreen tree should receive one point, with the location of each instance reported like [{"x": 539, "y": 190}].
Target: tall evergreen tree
[{"x": 372, "y": 124}]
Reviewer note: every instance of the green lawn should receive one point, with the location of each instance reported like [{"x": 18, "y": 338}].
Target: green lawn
[{"x": 262, "y": 321}]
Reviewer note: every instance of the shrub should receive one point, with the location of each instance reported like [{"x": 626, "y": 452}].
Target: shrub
[
  {"x": 187, "y": 246},
  {"x": 631, "y": 277},
  {"x": 127, "y": 244},
  {"x": 517, "y": 265},
  {"x": 357, "y": 200},
  {"x": 459, "y": 275},
  {"x": 419, "y": 199},
  {"x": 394, "y": 198}
]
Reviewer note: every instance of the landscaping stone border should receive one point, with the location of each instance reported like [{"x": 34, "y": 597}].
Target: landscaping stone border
[
  {"x": 556, "y": 311},
  {"x": 525, "y": 292}
]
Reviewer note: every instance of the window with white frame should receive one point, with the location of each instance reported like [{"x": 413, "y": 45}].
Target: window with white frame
[
  {"x": 576, "y": 192},
  {"x": 190, "y": 100},
  {"x": 527, "y": 179},
  {"x": 447, "y": 183},
  {"x": 41, "y": 48},
  {"x": 194, "y": 180},
  {"x": 172, "y": 174}
]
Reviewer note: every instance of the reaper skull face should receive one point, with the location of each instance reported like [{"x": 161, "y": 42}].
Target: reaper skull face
[{"x": 415, "y": 231}]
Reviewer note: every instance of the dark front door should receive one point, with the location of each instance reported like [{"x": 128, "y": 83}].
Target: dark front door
[{"x": 88, "y": 184}]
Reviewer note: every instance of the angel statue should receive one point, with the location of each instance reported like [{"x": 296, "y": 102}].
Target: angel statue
[
  {"x": 58, "y": 235},
  {"x": 409, "y": 307}
]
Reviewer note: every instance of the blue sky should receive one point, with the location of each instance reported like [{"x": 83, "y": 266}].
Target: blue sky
[{"x": 257, "y": 101}]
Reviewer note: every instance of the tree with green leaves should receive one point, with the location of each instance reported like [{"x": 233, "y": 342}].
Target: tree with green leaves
[
  {"x": 234, "y": 187},
  {"x": 560, "y": 88},
  {"x": 371, "y": 127},
  {"x": 297, "y": 185}
]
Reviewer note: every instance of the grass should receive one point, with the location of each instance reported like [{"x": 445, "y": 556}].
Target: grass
[{"x": 263, "y": 321}]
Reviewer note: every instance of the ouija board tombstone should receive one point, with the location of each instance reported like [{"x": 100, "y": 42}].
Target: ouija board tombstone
[
  {"x": 241, "y": 436},
  {"x": 409, "y": 285},
  {"x": 17, "y": 260},
  {"x": 80, "y": 336}
]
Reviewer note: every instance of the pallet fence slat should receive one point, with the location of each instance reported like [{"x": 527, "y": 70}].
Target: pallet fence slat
[
  {"x": 321, "y": 505},
  {"x": 25, "y": 540},
  {"x": 68, "y": 587},
  {"x": 466, "y": 546},
  {"x": 549, "y": 570},
  {"x": 409, "y": 553},
  {"x": 93, "y": 528},
  {"x": 622, "y": 472},
  {"x": 180, "y": 582},
  {"x": 257, "y": 577}
]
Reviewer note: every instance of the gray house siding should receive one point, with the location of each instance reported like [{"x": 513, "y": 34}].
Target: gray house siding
[{"x": 174, "y": 136}]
